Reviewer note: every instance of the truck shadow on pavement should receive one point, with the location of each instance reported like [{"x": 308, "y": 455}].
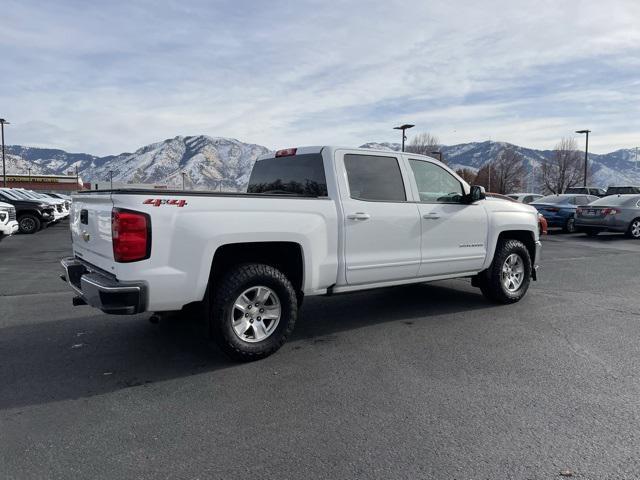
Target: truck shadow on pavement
[{"x": 97, "y": 354}]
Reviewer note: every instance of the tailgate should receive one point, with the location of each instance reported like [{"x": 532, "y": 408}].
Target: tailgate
[{"x": 90, "y": 221}]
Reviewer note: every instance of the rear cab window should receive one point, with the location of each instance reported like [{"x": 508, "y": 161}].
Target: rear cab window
[{"x": 300, "y": 175}]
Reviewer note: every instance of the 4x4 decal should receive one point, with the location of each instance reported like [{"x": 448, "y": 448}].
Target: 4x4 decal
[{"x": 156, "y": 202}]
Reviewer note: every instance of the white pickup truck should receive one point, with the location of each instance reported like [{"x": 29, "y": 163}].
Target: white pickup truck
[{"x": 314, "y": 221}]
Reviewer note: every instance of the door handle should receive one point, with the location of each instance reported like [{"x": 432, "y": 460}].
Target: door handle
[
  {"x": 431, "y": 216},
  {"x": 359, "y": 216}
]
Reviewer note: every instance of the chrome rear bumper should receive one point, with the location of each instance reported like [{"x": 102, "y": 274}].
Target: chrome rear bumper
[{"x": 103, "y": 291}]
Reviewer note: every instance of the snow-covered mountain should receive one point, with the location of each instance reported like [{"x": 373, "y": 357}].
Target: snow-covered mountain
[
  {"x": 225, "y": 163},
  {"x": 615, "y": 168},
  {"x": 209, "y": 163}
]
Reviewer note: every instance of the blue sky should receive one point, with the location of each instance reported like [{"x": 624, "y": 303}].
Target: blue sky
[{"x": 108, "y": 77}]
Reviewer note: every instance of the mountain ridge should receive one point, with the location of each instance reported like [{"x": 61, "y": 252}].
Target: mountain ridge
[{"x": 223, "y": 163}]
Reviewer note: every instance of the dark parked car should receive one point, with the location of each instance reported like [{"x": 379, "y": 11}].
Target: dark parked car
[
  {"x": 616, "y": 213},
  {"x": 623, "y": 190},
  {"x": 32, "y": 214},
  {"x": 560, "y": 210},
  {"x": 598, "y": 192}
]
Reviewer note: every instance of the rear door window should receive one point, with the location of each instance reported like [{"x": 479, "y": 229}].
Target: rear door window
[{"x": 376, "y": 178}]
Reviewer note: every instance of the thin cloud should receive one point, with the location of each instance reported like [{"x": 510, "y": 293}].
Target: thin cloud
[{"x": 113, "y": 76}]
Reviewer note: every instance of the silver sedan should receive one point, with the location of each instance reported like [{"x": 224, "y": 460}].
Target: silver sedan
[{"x": 617, "y": 213}]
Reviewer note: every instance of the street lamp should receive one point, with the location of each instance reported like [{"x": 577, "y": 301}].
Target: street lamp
[
  {"x": 29, "y": 170},
  {"x": 3, "y": 122},
  {"x": 183, "y": 175},
  {"x": 403, "y": 128},
  {"x": 439, "y": 155},
  {"x": 111, "y": 179},
  {"x": 586, "y": 154}
]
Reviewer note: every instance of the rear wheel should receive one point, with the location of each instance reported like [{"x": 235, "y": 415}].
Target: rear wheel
[
  {"x": 634, "y": 229},
  {"x": 508, "y": 278},
  {"x": 254, "y": 311},
  {"x": 29, "y": 223},
  {"x": 570, "y": 226}
]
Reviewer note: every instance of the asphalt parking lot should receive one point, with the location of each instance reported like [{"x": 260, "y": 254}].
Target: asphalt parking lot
[{"x": 426, "y": 381}]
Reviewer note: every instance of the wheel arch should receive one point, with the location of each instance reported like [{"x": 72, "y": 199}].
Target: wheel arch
[
  {"x": 528, "y": 237},
  {"x": 286, "y": 256},
  {"x": 35, "y": 213}
]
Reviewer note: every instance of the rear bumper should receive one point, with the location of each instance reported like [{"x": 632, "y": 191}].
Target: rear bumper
[
  {"x": 103, "y": 291},
  {"x": 610, "y": 224}
]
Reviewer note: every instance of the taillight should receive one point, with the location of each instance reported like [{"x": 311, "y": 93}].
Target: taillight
[
  {"x": 131, "y": 234},
  {"x": 579, "y": 211},
  {"x": 287, "y": 152},
  {"x": 610, "y": 211}
]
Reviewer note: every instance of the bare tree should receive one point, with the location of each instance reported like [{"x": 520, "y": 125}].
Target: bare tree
[
  {"x": 467, "y": 175},
  {"x": 504, "y": 174},
  {"x": 564, "y": 169},
  {"x": 482, "y": 177},
  {"x": 425, "y": 143}
]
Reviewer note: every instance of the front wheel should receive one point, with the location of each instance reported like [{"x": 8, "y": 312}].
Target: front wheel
[
  {"x": 254, "y": 311},
  {"x": 508, "y": 278},
  {"x": 29, "y": 223}
]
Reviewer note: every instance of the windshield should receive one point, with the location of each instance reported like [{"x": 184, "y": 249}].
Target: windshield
[
  {"x": 554, "y": 199},
  {"x": 28, "y": 194},
  {"x": 615, "y": 200},
  {"x": 20, "y": 195}
]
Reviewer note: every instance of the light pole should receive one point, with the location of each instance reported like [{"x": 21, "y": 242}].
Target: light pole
[
  {"x": 3, "y": 122},
  {"x": 439, "y": 155},
  {"x": 29, "y": 170},
  {"x": 111, "y": 179},
  {"x": 586, "y": 154},
  {"x": 403, "y": 128},
  {"x": 183, "y": 175}
]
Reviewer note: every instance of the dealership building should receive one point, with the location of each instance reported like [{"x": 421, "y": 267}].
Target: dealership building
[{"x": 48, "y": 183}]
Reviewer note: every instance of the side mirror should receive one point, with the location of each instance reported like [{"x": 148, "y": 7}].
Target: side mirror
[{"x": 477, "y": 193}]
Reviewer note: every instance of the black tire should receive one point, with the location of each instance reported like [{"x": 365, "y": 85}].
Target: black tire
[
  {"x": 229, "y": 289},
  {"x": 570, "y": 226},
  {"x": 490, "y": 281},
  {"x": 632, "y": 231},
  {"x": 29, "y": 223}
]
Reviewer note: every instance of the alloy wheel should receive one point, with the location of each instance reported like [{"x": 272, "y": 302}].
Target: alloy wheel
[
  {"x": 512, "y": 272},
  {"x": 255, "y": 314}
]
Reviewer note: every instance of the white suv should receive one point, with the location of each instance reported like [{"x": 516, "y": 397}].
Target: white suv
[{"x": 8, "y": 222}]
